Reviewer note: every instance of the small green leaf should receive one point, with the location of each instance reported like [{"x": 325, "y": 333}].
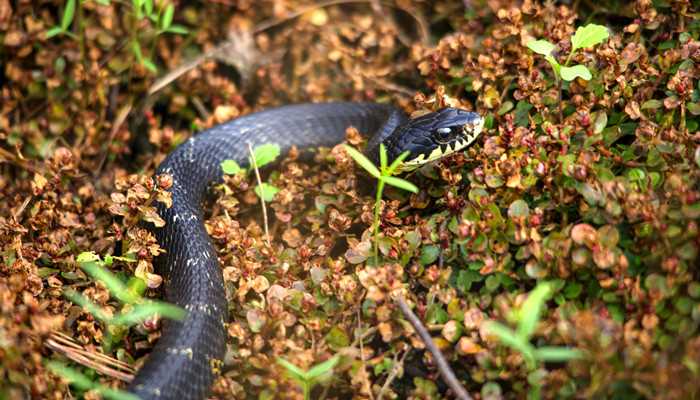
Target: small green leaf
[
  {"x": 322, "y": 368},
  {"x": 74, "y": 377},
  {"x": 167, "y": 18},
  {"x": 541, "y": 47},
  {"x": 400, "y": 183},
  {"x": 148, "y": 6},
  {"x": 56, "y": 30},
  {"x": 510, "y": 339},
  {"x": 395, "y": 164},
  {"x": 529, "y": 314},
  {"x": 382, "y": 157},
  {"x": 295, "y": 372},
  {"x": 115, "y": 286},
  {"x": 68, "y": 14},
  {"x": 231, "y": 167},
  {"x": 429, "y": 254},
  {"x": 103, "y": 2},
  {"x": 141, "y": 312},
  {"x": 557, "y": 354},
  {"x": 149, "y": 65},
  {"x": 265, "y": 154},
  {"x": 577, "y": 71},
  {"x": 178, "y": 29},
  {"x": 88, "y": 305},
  {"x": 589, "y": 35},
  {"x": 363, "y": 161},
  {"x": 266, "y": 191}
]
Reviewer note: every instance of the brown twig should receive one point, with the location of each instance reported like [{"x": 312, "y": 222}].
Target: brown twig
[
  {"x": 396, "y": 367},
  {"x": 101, "y": 363},
  {"x": 447, "y": 374}
]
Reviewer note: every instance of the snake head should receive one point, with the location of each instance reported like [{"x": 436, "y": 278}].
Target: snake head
[{"x": 434, "y": 135}]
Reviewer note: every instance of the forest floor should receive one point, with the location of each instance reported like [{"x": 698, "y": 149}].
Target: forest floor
[{"x": 571, "y": 225}]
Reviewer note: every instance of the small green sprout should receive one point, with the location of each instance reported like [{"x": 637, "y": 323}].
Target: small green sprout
[
  {"x": 66, "y": 21},
  {"x": 262, "y": 155},
  {"x": 82, "y": 382},
  {"x": 527, "y": 318},
  {"x": 136, "y": 309},
  {"x": 308, "y": 379},
  {"x": 585, "y": 36},
  {"x": 383, "y": 174}
]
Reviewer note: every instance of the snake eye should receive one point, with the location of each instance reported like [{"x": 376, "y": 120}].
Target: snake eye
[{"x": 443, "y": 134}]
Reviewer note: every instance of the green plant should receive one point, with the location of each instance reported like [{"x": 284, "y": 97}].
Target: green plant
[
  {"x": 135, "y": 309},
  {"x": 262, "y": 155},
  {"x": 585, "y": 36},
  {"x": 308, "y": 379},
  {"x": 527, "y": 318},
  {"x": 84, "y": 383},
  {"x": 384, "y": 175},
  {"x": 161, "y": 16}
]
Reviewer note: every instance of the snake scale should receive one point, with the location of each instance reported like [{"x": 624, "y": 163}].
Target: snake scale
[{"x": 189, "y": 353}]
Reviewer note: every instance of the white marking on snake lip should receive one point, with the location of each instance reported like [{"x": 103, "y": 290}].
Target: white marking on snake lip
[{"x": 175, "y": 218}]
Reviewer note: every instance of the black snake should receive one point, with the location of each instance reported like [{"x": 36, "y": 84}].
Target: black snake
[{"x": 188, "y": 355}]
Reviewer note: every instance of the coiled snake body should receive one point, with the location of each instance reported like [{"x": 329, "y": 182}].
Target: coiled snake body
[{"x": 189, "y": 353}]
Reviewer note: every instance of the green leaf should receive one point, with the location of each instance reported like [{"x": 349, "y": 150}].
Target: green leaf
[
  {"x": 149, "y": 65},
  {"x": 103, "y": 2},
  {"x": 557, "y": 354},
  {"x": 509, "y": 338},
  {"x": 395, "y": 164},
  {"x": 115, "y": 286},
  {"x": 323, "y": 368},
  {"x": 529, "y": 314},
  {"x": 231, "y": 167},
  {"x": 148, "y": 6},
  {"x": 429, "y": 254},
  {"x": 265, "y": 154},
  {"x": 295, "y": 372},
  {"x": 577, "y": 71},
  {"x": 178, "y": 29},
  {"x": 167, "y": 18},
  {"x": 89, "y": 306},
  {"x": 363, "y": 161},
  {"x": 141, "y": 312},
  {"x": 541, "y": 47},
  {"x": 68, "y": 14},
  {"x": 56, "y": 30},
  {"x": 266, "y": 191},
  {"x": 589, "y": 35},
  {"x": 400, "y": 183},
  {"x": 382, "y": 157}
]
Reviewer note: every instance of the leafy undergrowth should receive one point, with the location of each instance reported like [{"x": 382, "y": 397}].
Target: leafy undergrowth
[{"x": 592, "y": 186}]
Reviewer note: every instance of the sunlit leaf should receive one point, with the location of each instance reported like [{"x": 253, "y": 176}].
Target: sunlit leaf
[
  {"x": 576, "y": 71},
  {"x": 541, "y": 47},
  {"x": 322, "y": 368},
  {"x": 141, "y": 312},
  {"x": 589, "y": 35},
  {"x": 266, "y": 191},
  {"x": 363, "y": 161},
  {"x": 68, "y": 14},
  {"x": 167, "y": 19},
  {"x": 400, "y": 183},
  {"x": 266, "y": 153},
  {"x": 231, "y": 167}
]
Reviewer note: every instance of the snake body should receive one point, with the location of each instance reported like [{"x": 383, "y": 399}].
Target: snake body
[{"x": 189, "y": 354}]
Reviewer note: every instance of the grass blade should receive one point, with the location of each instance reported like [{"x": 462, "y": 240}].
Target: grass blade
[{"x": 363, "y": 161}]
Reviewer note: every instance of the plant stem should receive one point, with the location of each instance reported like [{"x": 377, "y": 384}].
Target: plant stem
[
  {"x": 377, "y": 209},
  {"x": 262, "y": 193}
]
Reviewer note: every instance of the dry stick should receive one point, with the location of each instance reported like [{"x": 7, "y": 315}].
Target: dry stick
[
  {"x": 97, "y": 361},
  {"x": 262, "y": 192},
  {"x": 447, "y": 374},
  {"x": 392, "y": 374}
]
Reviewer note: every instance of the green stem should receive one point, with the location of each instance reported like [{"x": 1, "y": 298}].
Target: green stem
[{"x": 377, "y": 207}]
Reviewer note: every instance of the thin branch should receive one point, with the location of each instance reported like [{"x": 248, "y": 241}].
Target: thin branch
[
  {"x": 447, "y": 374},
  {"x": 396, "y": 367},
  {"x": 262, "y": 192}
]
